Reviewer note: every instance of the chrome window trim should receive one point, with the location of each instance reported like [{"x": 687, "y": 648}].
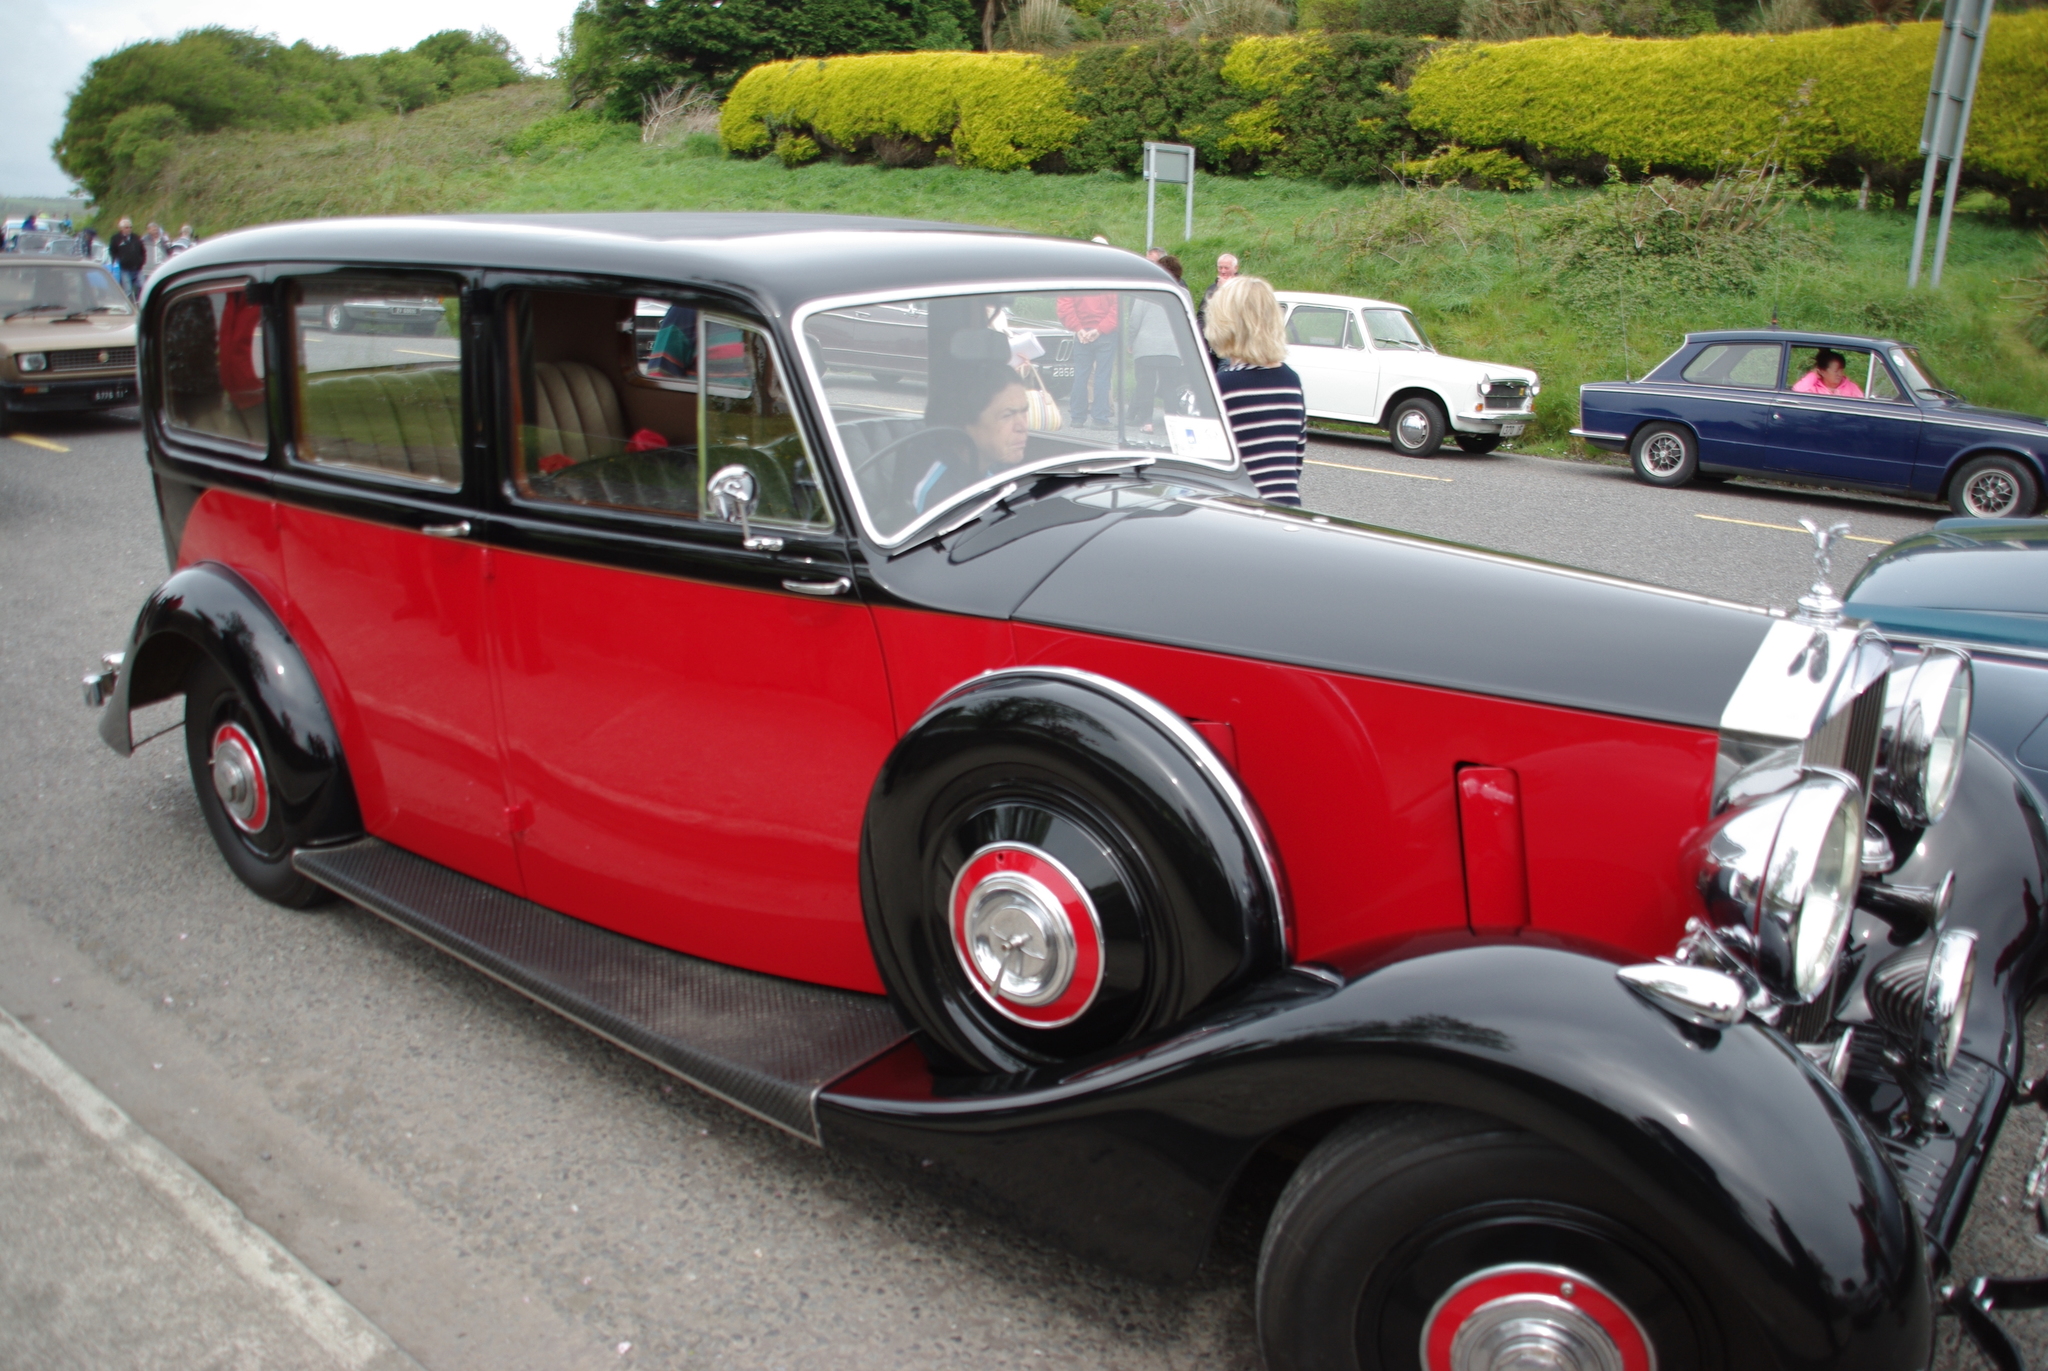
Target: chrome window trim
[
  {"x": 1194, "y": 744},
  {"x": 1974, "y": 647},
  {"x": 1595, "y": 433},
  {"x": 840, "y": 460}
]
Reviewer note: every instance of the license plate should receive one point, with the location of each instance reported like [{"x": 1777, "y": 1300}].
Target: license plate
[
  {"x": 110, "y": 395},
  {"x": 405, "y": 311},
  {"x": 1511, "y": 430}
]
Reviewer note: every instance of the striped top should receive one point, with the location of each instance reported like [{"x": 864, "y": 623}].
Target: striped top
[{"x": 1268, "y": 416}]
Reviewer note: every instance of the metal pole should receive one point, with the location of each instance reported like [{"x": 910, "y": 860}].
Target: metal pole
[
  {"x": 1955, "y": 166},
  {"x": 1930, "y": 134},
  {"x": 1188, "y": 229},
  {"x": 1151, "y": 196}
]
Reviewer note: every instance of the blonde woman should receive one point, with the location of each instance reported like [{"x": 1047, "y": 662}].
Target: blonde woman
[{"x": 1261, "y": 393}]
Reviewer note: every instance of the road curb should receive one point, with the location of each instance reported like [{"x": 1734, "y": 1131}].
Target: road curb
[{"x": 328, "y": 1320}]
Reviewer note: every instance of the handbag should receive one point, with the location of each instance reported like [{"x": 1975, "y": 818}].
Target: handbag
[{"x": 1042, "y": 413}]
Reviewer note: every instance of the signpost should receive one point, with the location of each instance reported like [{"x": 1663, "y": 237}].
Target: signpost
[
  {"x": 1950, "y": 92},
  {"x": 1174, "y": 163}
]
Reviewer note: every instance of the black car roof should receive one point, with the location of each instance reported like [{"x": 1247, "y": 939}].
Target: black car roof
[
  {"x": 781, "y": 259},
  {"x": 1790, "y": 335}
]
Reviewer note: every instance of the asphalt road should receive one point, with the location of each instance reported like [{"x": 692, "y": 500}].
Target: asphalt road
[{"x": 497, "y": 1189}]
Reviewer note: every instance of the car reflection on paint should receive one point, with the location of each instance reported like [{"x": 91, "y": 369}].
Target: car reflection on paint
[{"x": 421, "y": 315}]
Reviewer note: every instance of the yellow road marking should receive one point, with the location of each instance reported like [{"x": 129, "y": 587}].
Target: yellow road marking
[
  {"x": 415, "y": 352},
  {"x": 34, "y": 441},
  {"x": 1378, "y": 471},
  {"x": 1788, "y": 528}
]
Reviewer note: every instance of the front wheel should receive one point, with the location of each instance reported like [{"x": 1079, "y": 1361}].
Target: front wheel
[
  {"x": 1417, "y": 426},
  {"x": 1477, "y": 443},
  {"x": 1416, "y": 1235},
  {"x": 337, "y": 319},
  {"x": 1995, "y": 487},
  {"x": 1665, "y": 455},
  {"x": 231, "y": 775}
]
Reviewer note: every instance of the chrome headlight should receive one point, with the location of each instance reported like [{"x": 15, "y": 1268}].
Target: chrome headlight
[
  {"x": 1926, "y": 721},
  {"x": 1779, "y": 875},
  {"x": 31, "y": 361}
]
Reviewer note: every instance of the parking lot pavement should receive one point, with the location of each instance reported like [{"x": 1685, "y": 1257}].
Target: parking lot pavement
[{"x": 121, "y": 1255}]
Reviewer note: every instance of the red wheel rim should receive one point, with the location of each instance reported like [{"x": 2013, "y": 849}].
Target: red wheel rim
[
  {"x": 1549, "y": 1306},
  {"x": 1027, "y": 935},
  {"x": 238, "y": 779}
]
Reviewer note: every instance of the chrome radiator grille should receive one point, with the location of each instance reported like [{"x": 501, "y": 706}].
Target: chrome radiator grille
[
  {"x": 91, "y": 359},
  {"x": 1848, "y": 742}
]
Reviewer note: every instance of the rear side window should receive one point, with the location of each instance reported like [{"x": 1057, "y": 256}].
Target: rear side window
[
  {"x": 378, "y": 375},
  {"x": 211, "y": 352},
  {"x": 1749, "y": 365},
  {"x": 1315, "y": 326}
]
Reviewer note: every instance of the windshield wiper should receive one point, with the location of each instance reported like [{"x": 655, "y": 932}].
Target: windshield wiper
[
  {"x": 1098, "y": 464},
  {"x": 35, "y": 309},
  {"x": 93, "y": 309}
]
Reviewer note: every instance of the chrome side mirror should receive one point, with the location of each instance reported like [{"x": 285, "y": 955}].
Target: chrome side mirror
[{"x": 731, "y": 495}]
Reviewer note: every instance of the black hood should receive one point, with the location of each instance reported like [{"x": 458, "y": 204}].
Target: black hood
[{"x": 1173, "y": 565}]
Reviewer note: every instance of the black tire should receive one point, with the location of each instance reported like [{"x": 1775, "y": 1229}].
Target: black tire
[
  {"x": 1664, "y": 454},
  {"x": 1995, "y": 487},
  {"x": 338, "y": 320},
  {"x": 261, "y": 857},
  {"x": 1125, "y": 815},
  {"x": 1478, "y": 443},
  {"x": 887, "y": 378},
  {"x": 1404, "y": 1205},
  {"x": 1416, "y": 426}
]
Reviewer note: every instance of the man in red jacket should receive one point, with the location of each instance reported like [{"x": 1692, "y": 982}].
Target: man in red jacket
[{"x": 1092, "y": 319}]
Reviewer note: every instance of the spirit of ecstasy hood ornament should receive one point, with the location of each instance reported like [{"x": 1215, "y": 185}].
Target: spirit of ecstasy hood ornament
[{"x": 1820, "y": 606}]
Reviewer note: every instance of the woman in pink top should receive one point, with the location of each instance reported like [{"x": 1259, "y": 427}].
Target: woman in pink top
[{"x": 1828, "y": 377}]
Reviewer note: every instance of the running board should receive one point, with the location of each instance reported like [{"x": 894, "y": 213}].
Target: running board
[{"x": 761, "y": 1043}]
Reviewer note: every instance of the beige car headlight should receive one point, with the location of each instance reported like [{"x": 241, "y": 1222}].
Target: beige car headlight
[{"x": 31, "y": 361}]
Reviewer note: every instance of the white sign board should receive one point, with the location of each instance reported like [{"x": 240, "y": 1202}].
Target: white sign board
[{"x": 1174, "y": 164}]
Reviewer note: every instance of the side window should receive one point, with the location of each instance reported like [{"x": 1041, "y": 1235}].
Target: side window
[
  {"x": 1840, "y": 373},
  {"x": 1750, "y": 365},
  {"x": 211, "y": 351},
  {"x": 1354, "y": 334},
  {"x": 379, "y": 375},
  {"x": 748, "y": 420},
  {"x": 1316, "y": 326}
]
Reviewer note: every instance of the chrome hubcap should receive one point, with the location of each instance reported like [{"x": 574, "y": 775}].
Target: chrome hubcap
[
  {"x": 238, "y": 778},
  {"x": 1991, "y": 494},
  {"x": 1413, "y": 428},
  {"x": 1532, "y": 1318},
  {"x": 1027, "y": 935},
  {"x": 1663, "y": 454}
]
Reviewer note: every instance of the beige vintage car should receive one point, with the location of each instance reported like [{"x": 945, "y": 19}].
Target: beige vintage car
[{"x": 67, "y": 337}]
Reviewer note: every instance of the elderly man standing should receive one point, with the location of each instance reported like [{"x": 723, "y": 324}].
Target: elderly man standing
[
  {"x": 1226, "y": 267},
  {"x": 128, "y": 253}
]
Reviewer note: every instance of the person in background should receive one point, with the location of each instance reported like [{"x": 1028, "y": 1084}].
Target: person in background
[
  {"x": 1155, "y": 353},
  {"x": 156, "y": 250},
  {"x": 182, "y": 241},
  {"x": 1092, "y": 320},
  {"x": 86, "y": 238},
  {"x": 1261, "y": 393},
  {"x": 29, "y": 224},
  {"x": 1153, "y": 255},
  {"x": 1829, "y": 376},
  {"x": 128, "y": 253},
  {"x": 1226, "y": 268}
]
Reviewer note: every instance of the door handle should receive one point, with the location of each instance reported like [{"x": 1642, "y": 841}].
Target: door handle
[
  {"x": 458, "y": 529},
  {"x": 838, "y": 585}
]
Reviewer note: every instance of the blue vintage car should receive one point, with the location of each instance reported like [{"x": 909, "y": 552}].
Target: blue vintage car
[
  {"x": 1833, "y": 409},
  {"x": 1981, "y": 584}
]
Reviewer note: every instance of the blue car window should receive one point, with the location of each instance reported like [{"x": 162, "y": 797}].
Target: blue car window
[{"x": 1754, "y": 365}]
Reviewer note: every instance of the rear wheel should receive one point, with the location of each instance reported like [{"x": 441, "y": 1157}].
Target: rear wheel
[
  {"x": 1479, "y": 442},
  {"x": 337, "y": 319},
  {"x": 231, "y": 777},
  {"x": 1665, "y": 455},
  {"x": 1995, "y": 487},
  {"x": 1428, "y": 1236},
  {"x": 1417, "y": 426}
]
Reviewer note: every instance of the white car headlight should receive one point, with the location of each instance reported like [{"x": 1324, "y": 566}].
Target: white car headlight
[
  {"x": 1926, "y": 723},
  {"x": 31, "y": 361},
  {"x": 1779, "y": 877}
]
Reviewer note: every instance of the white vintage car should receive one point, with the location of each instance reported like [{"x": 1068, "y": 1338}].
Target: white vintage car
[{"x": 1369, "y": 362}]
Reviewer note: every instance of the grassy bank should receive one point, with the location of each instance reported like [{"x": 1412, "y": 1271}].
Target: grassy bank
[{"x": 1497, "y": 277}]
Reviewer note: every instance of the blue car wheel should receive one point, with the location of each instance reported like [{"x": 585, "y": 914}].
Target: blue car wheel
[
  {"x": 1995, "y": 487},
  {"x": 1665, "y": 454}
]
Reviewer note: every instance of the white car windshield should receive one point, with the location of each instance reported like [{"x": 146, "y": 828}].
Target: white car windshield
[
  {"x": 1395, "y": 328},
  {"x": 60, "y": 290},
  {"x": 937, "y": 402}
]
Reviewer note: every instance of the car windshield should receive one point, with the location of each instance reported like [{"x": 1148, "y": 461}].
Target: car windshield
[
  {"x": 1918, "y": 377},
  {"x": 60, "y": 290},
  {"x": 938, "y": 402},
  {"x": 1395, "y": 328}
]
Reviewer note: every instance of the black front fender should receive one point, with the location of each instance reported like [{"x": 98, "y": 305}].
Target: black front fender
[
  {"x": 1777, "y": 1197},
  {"x": 207, "y": 610}
]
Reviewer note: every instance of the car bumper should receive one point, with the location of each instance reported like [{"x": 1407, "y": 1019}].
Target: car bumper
[
  {"x": 1612, "y": 442},
  {"x": 72, "y": 393},
  {"x": 1495, "y": 421}
]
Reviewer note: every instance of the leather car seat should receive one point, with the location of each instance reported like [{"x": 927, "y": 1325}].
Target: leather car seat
[{"x": 577, "y": 409}]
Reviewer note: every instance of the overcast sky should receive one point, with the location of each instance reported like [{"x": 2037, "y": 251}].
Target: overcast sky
[{"x": 49, "y": 43}]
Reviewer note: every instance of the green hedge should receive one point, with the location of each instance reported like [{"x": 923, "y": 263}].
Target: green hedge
[
  {"x": 1001, "y": 110},
  {"x": 1824, "y": 102}
]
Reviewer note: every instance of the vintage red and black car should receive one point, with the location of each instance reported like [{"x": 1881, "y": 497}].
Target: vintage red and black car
[{"x": 1629, "y": 978}]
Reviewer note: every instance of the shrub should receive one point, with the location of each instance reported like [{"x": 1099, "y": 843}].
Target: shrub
[
  {"x": 1416, "y": 18},
  {"x": 1038, "y": 25},
  {"x": 1489, "y": 169},
  {"x": 1826, "y": 102},
  {"x": 568, "y": 131},
  {"x": 1665, "y": 241},
  {"x": 1000, "y": 111}
]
